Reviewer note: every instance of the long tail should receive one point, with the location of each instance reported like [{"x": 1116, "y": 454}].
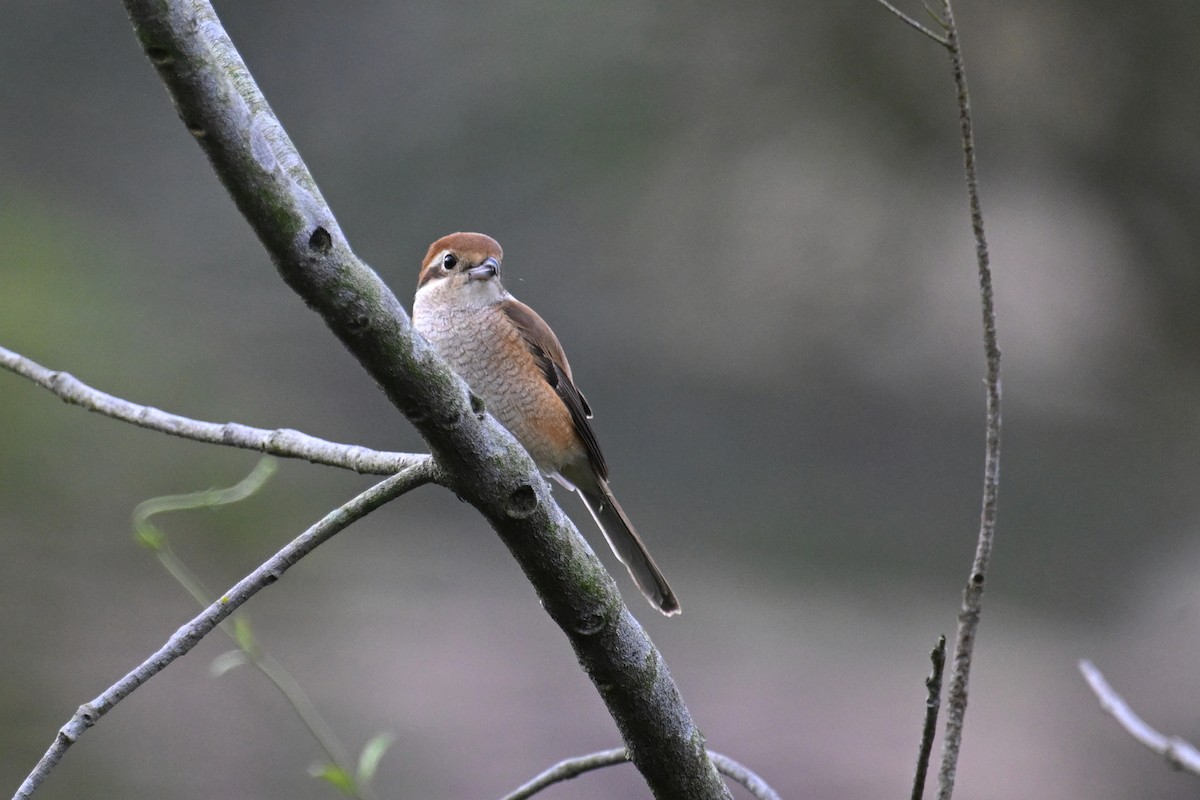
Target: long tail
[{"x": 624, "y": 541}]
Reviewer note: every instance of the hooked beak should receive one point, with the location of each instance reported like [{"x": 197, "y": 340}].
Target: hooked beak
[{"x": 485, "y": 271}]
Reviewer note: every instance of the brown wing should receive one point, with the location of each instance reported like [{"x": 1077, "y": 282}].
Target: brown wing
[{"x": 544, "y": 346}]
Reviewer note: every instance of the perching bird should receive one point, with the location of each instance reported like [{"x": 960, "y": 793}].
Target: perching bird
[{"x": 511, "y": 359}]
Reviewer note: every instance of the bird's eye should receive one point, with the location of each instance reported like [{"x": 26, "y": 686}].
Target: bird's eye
[{"x": 449, "y": 262}]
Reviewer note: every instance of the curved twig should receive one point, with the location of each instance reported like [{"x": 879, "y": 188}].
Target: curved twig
[
  {"x": 742, "y": 775},
  {"x": 190, "y": 634},
  {"x": 574, "y": 767},
  {"x": 282, "y": 442},
  {"x": 972, "y": 603},
  {"x": 566, "y": 770},
  {"x": 1179, "y": 753}
]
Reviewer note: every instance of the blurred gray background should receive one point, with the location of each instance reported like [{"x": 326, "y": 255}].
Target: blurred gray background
[{"x": 746, "y": 223}]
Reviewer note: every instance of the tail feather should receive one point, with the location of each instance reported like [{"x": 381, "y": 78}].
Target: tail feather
[{"x": 628, "y": 547}]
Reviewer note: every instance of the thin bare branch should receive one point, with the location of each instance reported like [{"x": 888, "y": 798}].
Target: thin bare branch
[
  {"x": 741, "y": 775},
  {"x": 972, "y": 603},
  {"x": 190, "y": 634},
  {"x": 913, "y": 23},
  {"x": 1179, "y": 753},
  {"x": 933, "y": 702},
  {"x": 282, "y": 442},
  {"x": 574, "y": 767},
  {"x": 567, "y": 769}
]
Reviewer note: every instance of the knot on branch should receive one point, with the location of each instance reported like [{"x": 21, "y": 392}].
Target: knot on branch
[
  {"x": 522, "y": 502},
  {"x": 591, "y": 624},
  {"x": 87, "y": 714},
  {"x": 477, "y": 405},
  {"x": 413, "y": 411},
  {"x": 358, "y": 322},
  {"x": 159, "y": 56}
]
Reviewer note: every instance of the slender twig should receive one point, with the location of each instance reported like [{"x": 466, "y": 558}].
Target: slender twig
[
  {"x": 282, "y": 442},
  {"x": 1179, "y": 753},
  {"x": 933, "y": 702},
  {"x": 190, "y": 634},
  {"x": 913, "y": 23},
  {"x": 743, "y": 776},
  {"x": 972, "y": 602},
  {"x": 566, "y": 770},
  {"x": 574, "y": 767},
  {"x": 220, "y": 104}
]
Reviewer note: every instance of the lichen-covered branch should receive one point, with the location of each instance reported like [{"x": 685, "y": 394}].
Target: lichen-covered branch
[{"x": 222, "y": 107}]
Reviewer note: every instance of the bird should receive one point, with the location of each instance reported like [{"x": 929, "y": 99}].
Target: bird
[{"x": 511, "y": 359}]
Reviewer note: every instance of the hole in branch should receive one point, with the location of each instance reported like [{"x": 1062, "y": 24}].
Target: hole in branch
[
  {"x": 522, "y": 502},
  {"x": 320, "y": 240}
]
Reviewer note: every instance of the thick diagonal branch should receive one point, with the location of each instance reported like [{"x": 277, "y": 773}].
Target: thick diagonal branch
[{"x": 222, "y": 107}]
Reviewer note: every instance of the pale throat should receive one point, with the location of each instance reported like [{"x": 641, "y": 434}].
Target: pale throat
[{"x": 443, "y": 295}]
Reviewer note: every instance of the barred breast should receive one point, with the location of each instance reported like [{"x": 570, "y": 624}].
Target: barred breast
[{"x": 490, "y": 354}]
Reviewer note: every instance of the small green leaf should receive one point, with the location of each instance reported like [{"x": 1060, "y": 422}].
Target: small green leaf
[
  {"x": 225, "y": 662},
  {"x": 243, "y": 635},
  {"x": 149, "y": 536},
  {"x": 372, "y": 753},
  {"x": 335, "y": 776}
]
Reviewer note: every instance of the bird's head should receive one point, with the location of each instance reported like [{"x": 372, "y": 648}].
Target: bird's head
[{"x": 463, "y": 268}]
